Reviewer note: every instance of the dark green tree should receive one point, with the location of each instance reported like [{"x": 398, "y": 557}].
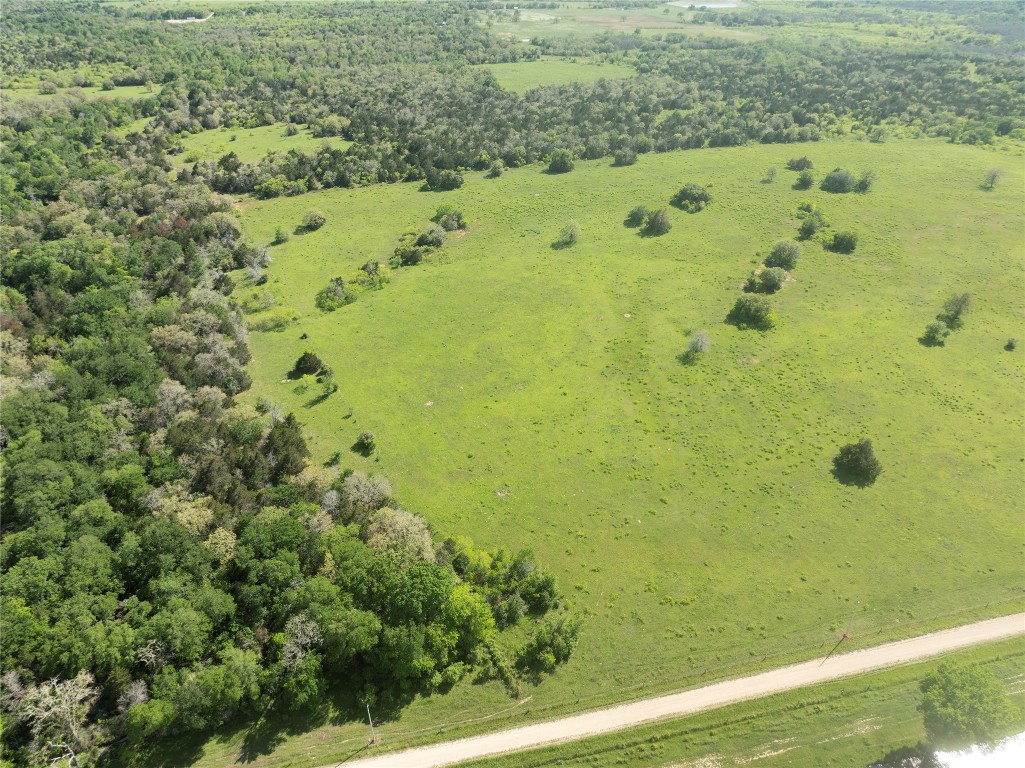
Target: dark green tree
[
  {"x": 844, "y": 242},
  {"x": 784, "y": 255},
  {"x": 658, "y": 223},
  {"x": 964, "y": 705},
  {"x": 856, "y": 464},
  {"x": 751, "y": 311},
  {"x": 839, "y": 181},
  {"x": 561, "y": 161},
  {"x": 286, "y": 448},
  {"x": 692, "y": 197}
]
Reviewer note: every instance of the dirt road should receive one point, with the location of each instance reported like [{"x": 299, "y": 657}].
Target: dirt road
[{"x": 700, "y": 699}]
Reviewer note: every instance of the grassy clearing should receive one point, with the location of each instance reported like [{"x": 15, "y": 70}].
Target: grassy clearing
[
  {"x": 522, "y": 76},
  {"x": 31, "y": 93},
  {"x": 852, "y": 722},
  {"x": 250, "y": 144},
  {"x": 528, "y": 396}
]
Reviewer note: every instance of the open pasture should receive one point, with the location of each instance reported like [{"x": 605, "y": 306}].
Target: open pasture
[
  {"x": 521, "y": 76},
  {"x": 250, "y": 144},
  {"x": 535, "y": 396}
]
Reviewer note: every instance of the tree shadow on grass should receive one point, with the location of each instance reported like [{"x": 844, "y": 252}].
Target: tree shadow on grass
[
  {"x": 690, "y": 357},
  {"x": 560, "y": 245},
  {"x": 845, "y": 477},
  {"x": 919, "y": 755}
]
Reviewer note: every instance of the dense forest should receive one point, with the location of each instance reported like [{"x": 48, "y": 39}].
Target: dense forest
[{"x": 171, "y": 558}]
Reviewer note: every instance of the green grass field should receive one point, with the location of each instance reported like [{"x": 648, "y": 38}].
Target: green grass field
[
  {"x": 529, "y": 396},
  {"x": 521, "y": 76},
  {"x": 250, "y": 144},
  {"x": 853, "y": 722},
  {"x": 31, "y": 93}
]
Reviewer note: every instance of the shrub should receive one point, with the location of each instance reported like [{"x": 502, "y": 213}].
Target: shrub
[
  {"x": 865, "y": 182},
  {"x": 308, "y": 364},
  {"x": 771, "y": 279},
  {"x": 839, "y": 181},
  {"x": 625, "y": 156},
  {"x": 313, "y": 220},
  {"x": 365, "y": 443},
  {"x": 333, "y": 295},
  {"x": 784, "y": 255},
  {"x": 856, "y": 463},
  {"x": 993, "y": 175},
  {"x": 770, "y": 174},
  {"x": 291, "y": 129},
  {"x": 1011, "y": 345},
  {"x": 561, "y": 161},
  {"x": 280, "y": 236},
  {"x": 497, "y": 169},
  {"x": 692, "y": 198},
  {"x": 935, "y": 334},
  {"x": 811, "y": 224},
  {"x": 552, "y": 644},
  {"x": 699, "y": 343},
  {"x": 569, "y": 235},
  {"x": 953, "y": 310},
  {"x": 449, "y": 219},
  {"x": 804, "y": 180},
  {"x": 799, "y": 164},
  {"x": 433, "y": 237},
  {"x": 658, "y": 223},
  {"x": 47, "y": 88},
  {"x": 752, "y": 311},
  {"x": 844, "y": 242},
  {"x": 636, "y": 217}
]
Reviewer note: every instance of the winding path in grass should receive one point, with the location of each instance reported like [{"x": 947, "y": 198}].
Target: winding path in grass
[{"x": 700, "y": 699}]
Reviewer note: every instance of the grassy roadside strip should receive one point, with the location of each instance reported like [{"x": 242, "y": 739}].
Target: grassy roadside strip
[{"x": 849, "y": 722}]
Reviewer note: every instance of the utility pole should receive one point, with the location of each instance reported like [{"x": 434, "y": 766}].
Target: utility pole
[{"x": 373, "y": 736}]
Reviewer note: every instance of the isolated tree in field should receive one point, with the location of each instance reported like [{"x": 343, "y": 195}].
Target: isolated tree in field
[
  {"x": 935, "y": 334},
  {"x": 569, "y": 235},
  {"x": 692, "y": 197},
  {"x": 752, "y": 311},
  {"x": 993, "y": 175},
  {"x": 962, "y": 706},
  {"x": 800, "y": 164},
  {"x": 280, "y": 236},
  {"x": 496, "y": 169},
  {"x": 333, "y": 295},
  {"x": 308, "y": 364},
  {"x": 804, "y": 180},
  {"x": 770, "y": 174},
  {"x": 954, "y": 309},
  {"x": 365, "y": 444},
  {"x": 784, "y": 255},
  {"x": 636, "y": 217},
  {"x": 561, "y": 161},
  {"x": 839, "y": 181},
  {"x": 810, "y": 224},
  {"x": 856, "y": 464},
  {"x": 844, "y": 242},
  {"x": 658, "y": 223},
  {"x": 313, "y": 220}
]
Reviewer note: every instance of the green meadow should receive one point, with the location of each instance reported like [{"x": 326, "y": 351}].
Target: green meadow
[
  {"x": 531, "y": 396},
  {"x": 250, "y": 144},
  {"x": 521, "y": 76}
]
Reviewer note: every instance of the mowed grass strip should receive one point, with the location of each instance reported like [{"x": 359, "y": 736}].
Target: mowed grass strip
[{"x": 529, "y": 396}]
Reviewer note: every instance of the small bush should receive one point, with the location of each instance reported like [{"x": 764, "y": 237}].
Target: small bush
[
  {"x": 334, "y": 295},
  {"x": 771, "y": 279},
  {"x": 784, "y": 255},
  {"x": 752, "y": 311},
  {"x": 1011, "y": 345},
  {"x": 804, "y": 180},
  {"x": 865, "y": 182},
  {"x": 692, "y": 198},
  {"x": 280, "y": 236},
  {"x": 569, "y": 235},
  {"x": 497, "y": 169},
  {"x": 856, "y": 464},
  {"x": 839, "y": 181},
  {"x": 699, "y": 343},
  {"x": 365, "y": 443},
  {"x": 561, "y": 161},
  {"x": 770, "y": 174},
  {"x": 308, "y": 364},
  {"x": 291, "y": 129},
  {"x": 449, "y": 219},
  {"x": 811, "y": 224},
  {"x": 636, "y": 217},
  {"x": 844, "y": 242},
  {"x": 800, "y": 164},
  {"x": 625, "y": 156},
  {"x": 552, "y": 644},
  {"x": 313, "y": 220},
  {"x": 433, "y": 237},
  {"x": 658, "y": 223}
]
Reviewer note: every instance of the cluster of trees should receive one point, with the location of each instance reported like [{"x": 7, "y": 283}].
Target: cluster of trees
[
  {"x": 692, "y": 197},
  {"x": 651, "y": 223},
  {"x": 171, "y": 560},
  {"x": 340, "y": 291}
]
